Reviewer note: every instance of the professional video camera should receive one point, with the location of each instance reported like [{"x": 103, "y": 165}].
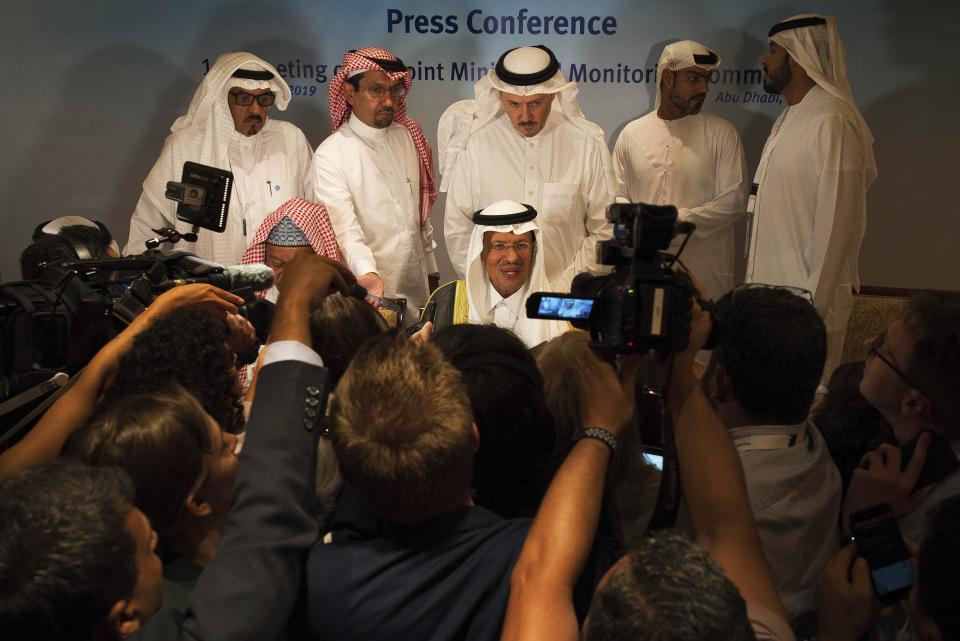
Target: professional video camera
[
  {"x": 51, "y": 328},
  {"x": 644, "y": 304}
]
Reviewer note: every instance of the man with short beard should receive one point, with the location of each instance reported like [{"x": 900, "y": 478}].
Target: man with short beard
[
  {"x": 227, "y": 127},
  {"x": 810, "y": 213},
  {"x": 676, "y": 155},
  {"x": 524, "y": 138},
  {"x": 374, "y": 173}
]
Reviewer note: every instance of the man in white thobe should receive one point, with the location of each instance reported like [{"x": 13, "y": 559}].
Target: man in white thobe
[
  {"x": 504, "y": 266},
  {"x": 374, "y": 173},
  {"x": 525, "y": 139},
  {"x": 810, "y": 212},
  {"x": 227, "y": 127},
  {"x": 678, "y": 155}
]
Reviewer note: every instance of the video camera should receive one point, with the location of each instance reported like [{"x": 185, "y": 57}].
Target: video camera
[
  {"x": 644, "y": 304},
  {"x": 55, "y": 325}
]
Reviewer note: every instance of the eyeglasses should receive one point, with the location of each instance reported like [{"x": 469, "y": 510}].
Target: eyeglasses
[
  {"x": 244, "y": 99},
  {"x": 379, "y": 91},
  {"x": 874, "y": 350},
  {"x": 520, "y": 247}
]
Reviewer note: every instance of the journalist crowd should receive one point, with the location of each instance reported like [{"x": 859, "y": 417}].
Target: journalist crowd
[{"x": 283, "y": 425}]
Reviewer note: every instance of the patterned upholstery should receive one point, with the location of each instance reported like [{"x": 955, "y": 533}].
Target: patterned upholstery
[{"x": 871, "y": 315}]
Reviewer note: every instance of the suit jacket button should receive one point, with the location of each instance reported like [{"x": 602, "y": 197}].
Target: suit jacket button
[{"x": 313, "y": 390}]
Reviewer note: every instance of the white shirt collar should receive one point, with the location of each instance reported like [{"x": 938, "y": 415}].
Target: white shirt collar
[
  {"x": 365, "y": 131},
  {"x": 513, "y": 302}
]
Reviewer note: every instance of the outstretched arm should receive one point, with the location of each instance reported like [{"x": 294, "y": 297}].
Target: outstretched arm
[
  {"x": 712, "y": 479},
  {"x": 249, "y": 590},
  {"x": 559, "y": 541},
  {"x": 44, "y": 442}
]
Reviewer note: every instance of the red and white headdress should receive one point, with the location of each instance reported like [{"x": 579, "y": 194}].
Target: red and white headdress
[
  {"x": 370, "y": 58},
  {"x": 310, "y": 217}
]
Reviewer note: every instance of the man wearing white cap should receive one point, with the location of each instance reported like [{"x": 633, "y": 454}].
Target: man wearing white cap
[
  {"x": 298, "y": 226},
  {"x": 227, "y": 127},
  {"x": 810, "y": 212},
  {"x": 524, "y": 138},
  {"x": 504, "y": 266},
  {"x": 678, "y": 155},
  {"x": 374, "y": 173}
]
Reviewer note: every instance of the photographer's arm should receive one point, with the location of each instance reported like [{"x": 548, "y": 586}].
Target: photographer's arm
[
  {"x": 713, "y": 482},
  {"x": 559, "y": 541},
  {"x": 44, "y": 441}
]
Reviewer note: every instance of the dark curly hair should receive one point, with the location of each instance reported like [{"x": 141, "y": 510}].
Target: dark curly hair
[{"x": 187, "y": 347}]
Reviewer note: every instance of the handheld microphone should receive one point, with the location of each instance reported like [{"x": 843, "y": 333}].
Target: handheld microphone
[{"x": 257, "y": 277}]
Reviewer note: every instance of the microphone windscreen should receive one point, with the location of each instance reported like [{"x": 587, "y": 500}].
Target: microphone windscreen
[{"x": 257, "y": 276}]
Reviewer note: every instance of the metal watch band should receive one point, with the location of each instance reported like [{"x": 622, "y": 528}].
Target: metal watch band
[{"x": 601, "y": 435}]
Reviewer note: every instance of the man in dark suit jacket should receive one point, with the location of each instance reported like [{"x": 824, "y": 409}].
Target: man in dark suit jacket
[{"x": 248, "y": 591}]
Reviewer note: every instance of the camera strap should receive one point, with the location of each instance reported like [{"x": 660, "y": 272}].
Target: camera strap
[{"x": 668, "y": 496}]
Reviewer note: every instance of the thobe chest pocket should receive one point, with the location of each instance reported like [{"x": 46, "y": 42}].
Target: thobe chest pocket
[{"x": 560, "y": 202}]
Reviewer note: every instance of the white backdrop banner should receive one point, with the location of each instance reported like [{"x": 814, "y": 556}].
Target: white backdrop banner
[{"x": 91, "y": 90}]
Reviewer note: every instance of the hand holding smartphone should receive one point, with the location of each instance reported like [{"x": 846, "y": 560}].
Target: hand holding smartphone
[{"x": 880, "y": 542}]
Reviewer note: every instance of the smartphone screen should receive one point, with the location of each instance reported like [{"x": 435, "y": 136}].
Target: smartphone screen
[
  {"x": 879, "y": 541},
  {"x": 559, "y": 306},
  {"x": 653, "y": 457}
]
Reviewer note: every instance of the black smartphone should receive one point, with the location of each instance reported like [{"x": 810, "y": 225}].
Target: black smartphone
[
  {"x": 940, "y": 462},
  {"x": 879, "y": 541},
  {"x": 558, "y": 306}
]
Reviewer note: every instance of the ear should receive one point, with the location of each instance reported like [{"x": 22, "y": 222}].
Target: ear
[
  {"x": 122, "y": 620},
  {"x": 916, "y": 405},
  {"x": 197, "y": 505},
  {"x": 348, "y": 92},
  {"x": 722, "y": 385},
  {"x": 474, "y": 438}
]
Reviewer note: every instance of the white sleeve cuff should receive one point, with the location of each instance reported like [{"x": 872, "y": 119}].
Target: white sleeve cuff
[{"x": 291, "y": 351}]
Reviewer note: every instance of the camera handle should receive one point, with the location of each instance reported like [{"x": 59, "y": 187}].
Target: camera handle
[{"x": 172, "y": 236}]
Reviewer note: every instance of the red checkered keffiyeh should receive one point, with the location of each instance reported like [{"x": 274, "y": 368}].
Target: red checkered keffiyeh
[
  {"x": 362, "y": 60},
  {"x": 311, "y": 217}
]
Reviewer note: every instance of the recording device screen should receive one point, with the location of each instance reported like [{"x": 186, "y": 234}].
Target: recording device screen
[
  {"x": 879, "y": 541},
  {"x": 654, "y": 458},
  {"x": 203, "y": 196},
  {"x": 559, "y": 306}
]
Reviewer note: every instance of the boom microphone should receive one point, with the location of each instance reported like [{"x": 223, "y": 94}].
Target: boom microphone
[{"x": 257, "y": 277}]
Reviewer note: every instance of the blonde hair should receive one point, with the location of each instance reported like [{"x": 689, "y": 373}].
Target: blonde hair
[
  {"x": 633, "y": 484},
  {"x": 563, "y": 365},
  {"x": 402, "y": 429}
]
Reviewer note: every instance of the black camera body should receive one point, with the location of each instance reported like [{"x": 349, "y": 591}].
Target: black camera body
[{"x": 644, "y": 304}]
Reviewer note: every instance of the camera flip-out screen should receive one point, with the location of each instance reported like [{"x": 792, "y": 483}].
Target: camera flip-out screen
[{"x": 203, "y": 196}]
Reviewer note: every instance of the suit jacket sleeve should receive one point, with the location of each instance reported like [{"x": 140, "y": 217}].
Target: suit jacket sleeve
[{"x": 248, "y": 591}]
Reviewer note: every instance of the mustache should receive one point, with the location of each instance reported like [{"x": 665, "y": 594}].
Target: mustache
[
  {"x": 254, "y": 118},
  {"x": 527, "y": 122}
]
